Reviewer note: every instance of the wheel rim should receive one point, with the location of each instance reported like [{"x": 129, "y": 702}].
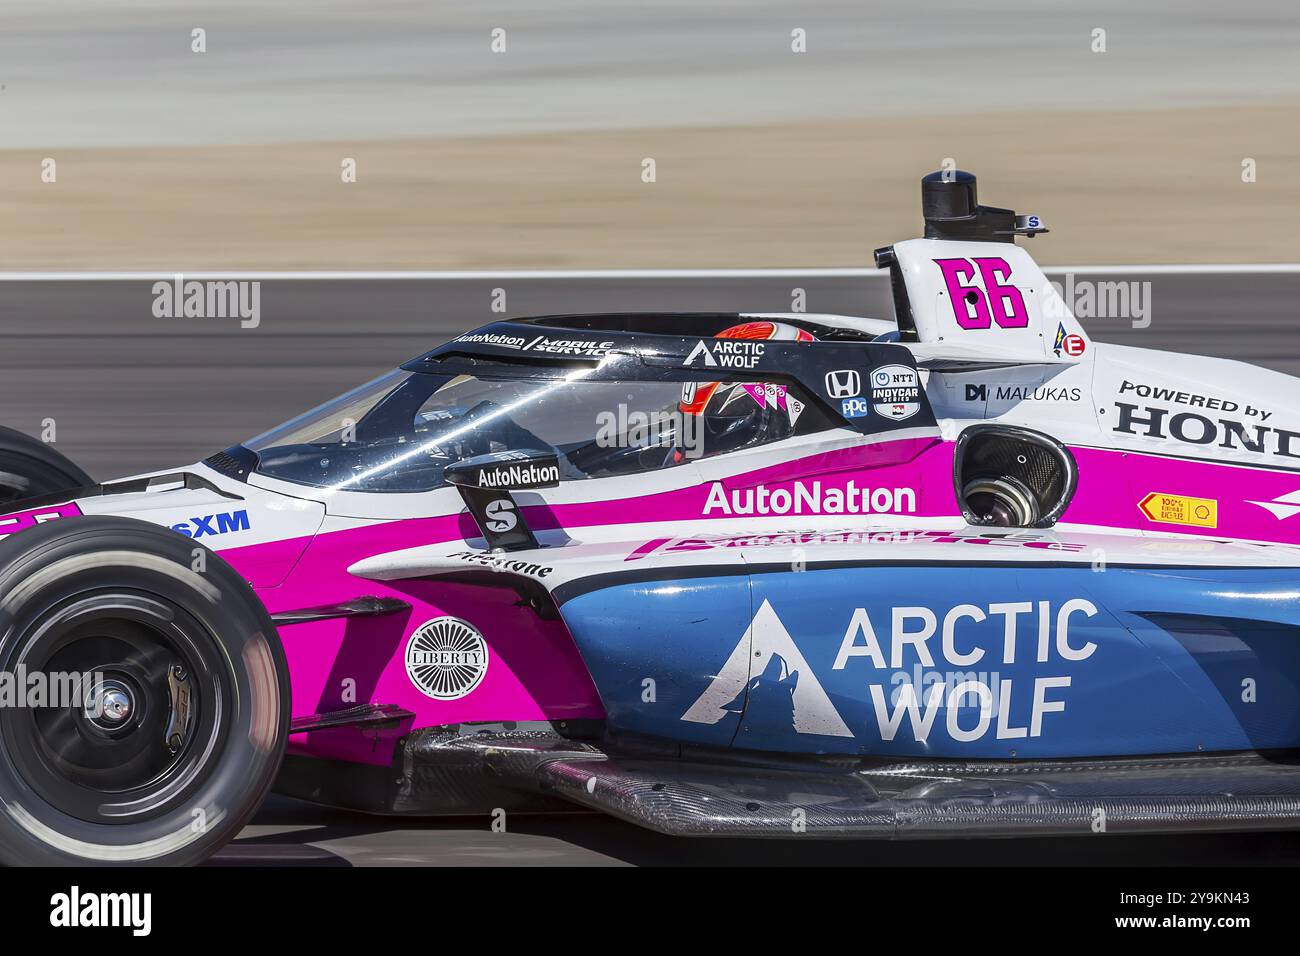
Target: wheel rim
[{"x": 142, "y": 729}]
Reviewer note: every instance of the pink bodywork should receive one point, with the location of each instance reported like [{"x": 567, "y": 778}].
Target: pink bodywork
[{"x": 535, "y": 671}]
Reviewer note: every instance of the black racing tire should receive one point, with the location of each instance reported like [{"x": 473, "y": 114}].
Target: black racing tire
[
  {"x": 192, "y": 696},
  {"x": 29, "y": 468}
]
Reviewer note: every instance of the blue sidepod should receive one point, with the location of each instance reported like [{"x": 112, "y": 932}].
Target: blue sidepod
[
  {"x": 952, "y": 660},
  {"x": 652, "y": 646}
]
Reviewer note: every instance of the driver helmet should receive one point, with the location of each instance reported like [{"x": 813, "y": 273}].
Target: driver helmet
[{"x": 739, "y": 414}]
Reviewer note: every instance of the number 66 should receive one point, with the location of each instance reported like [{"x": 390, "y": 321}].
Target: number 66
[{"x": 975, "y": 308}]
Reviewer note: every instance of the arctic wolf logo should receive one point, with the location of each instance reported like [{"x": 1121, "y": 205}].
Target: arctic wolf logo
[
  {"x": 701, "y": 351},
  {"x": 728, "y": 353},
  {"x": 767, "y": 651}
]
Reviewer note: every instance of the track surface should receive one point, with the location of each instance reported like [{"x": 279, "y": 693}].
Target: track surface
[
  {"x": 130, "y": 392},
  {"x": 289, "y": 833}
]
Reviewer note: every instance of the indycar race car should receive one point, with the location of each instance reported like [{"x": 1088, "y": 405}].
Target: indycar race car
[{"x": 962, "y": 572}]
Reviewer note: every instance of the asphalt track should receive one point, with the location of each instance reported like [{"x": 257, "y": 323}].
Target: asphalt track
[
  {"x": 130, "y": 392},
  {"x": 289, "y": 833}
]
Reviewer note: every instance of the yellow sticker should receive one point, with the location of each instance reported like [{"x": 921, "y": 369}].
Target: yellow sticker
[{"x": 1181, "y": 509}]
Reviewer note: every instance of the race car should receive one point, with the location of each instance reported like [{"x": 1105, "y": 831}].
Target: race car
[{"x": 959, "y": 572}]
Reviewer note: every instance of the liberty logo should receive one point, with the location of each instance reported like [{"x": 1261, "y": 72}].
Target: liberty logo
[{"x": 446, "y": 658}]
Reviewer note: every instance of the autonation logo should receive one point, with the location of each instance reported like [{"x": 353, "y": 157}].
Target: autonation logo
[
  {"x": 810, "y": 498},
  {"x": 516, "y": 476}
]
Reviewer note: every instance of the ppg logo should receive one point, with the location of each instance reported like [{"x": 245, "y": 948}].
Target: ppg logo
[
  {"x": 844, "y": 383},
  {"x": 855, "y": 407}
]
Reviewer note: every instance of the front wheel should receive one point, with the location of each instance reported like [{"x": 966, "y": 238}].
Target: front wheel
[
  {"x": 167, "y": 697},
  {"x": 29, "y": 468}
]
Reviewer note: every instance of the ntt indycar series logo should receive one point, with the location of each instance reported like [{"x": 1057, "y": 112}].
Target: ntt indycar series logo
[
  {"x": 893, "y": 392},
  {"x": 896, "y": 392},
  {"x": 518, "y": 476},
  {"x": 809, "y": 498}
]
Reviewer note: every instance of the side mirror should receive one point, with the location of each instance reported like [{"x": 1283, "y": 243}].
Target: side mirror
[{"x": 485, "y": 482}]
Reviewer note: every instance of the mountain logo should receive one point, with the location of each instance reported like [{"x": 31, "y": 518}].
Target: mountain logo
[
  {"x": 701, "y": 350},
  {"x": 767, "y": 652}
]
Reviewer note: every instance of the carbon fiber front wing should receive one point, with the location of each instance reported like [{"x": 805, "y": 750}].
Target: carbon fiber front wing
[{"x": 732, "y": 794}]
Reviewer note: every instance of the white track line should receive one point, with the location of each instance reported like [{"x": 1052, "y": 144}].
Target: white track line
[
  {"x": 618, "y": 274},
  {"x": 520, "y": 274},
  {"x": 1249, "y": 268}
]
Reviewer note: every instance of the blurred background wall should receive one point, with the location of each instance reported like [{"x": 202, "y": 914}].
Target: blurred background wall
[{"x": 508, "y": 133}]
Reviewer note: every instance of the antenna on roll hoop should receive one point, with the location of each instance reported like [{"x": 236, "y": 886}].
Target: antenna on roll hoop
[{"x": 952, "y": 211}]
